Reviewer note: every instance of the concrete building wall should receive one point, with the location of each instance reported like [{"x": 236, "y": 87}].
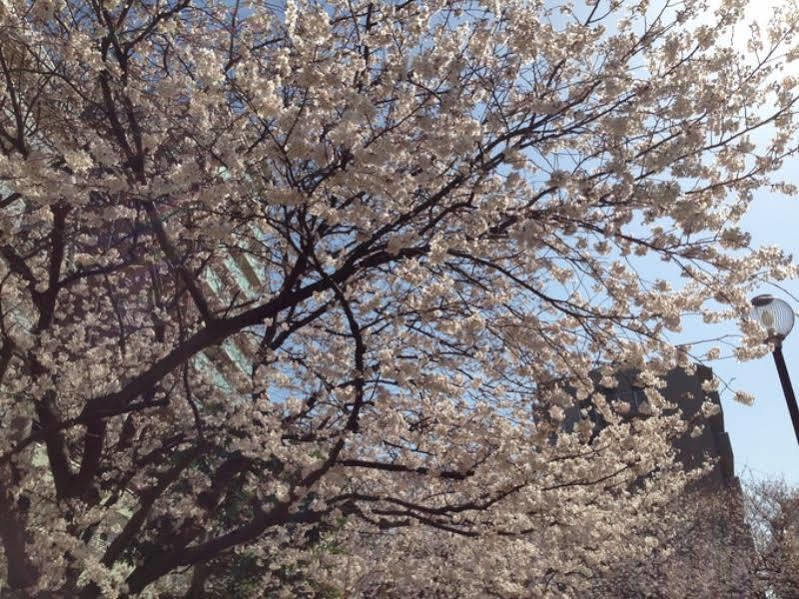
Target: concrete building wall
[
  {"x": 685, "y": 390},
  {"x": 719, "y": 548}
]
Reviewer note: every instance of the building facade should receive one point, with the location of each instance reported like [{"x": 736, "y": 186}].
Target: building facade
[{"x": 711, "y": 555}]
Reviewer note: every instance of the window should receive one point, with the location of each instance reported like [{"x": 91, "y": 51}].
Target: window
[{"x": 634, "y": 398}]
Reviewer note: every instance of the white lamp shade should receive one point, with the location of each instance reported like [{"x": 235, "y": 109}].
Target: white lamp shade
[{"x": 775, "y": 315}]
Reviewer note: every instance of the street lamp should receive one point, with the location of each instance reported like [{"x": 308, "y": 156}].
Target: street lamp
[{"x": 777, "y": 318}]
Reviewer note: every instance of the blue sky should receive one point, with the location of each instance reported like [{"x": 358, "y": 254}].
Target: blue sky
[{"x": 762, "y": 435}]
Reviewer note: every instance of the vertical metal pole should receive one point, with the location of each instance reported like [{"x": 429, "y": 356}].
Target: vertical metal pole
[{"x": 787, "y": 388}]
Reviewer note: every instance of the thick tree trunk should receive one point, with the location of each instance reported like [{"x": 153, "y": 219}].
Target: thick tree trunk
[{"x": 21, "y": 572}]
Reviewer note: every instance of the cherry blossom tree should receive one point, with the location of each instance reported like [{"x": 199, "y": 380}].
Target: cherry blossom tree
[
  {"x": 709, "y": 552},
  {"x": 772, "y": 513},
  {"x": 308, "y": 285},
  {"x": 725, "y": 542}
]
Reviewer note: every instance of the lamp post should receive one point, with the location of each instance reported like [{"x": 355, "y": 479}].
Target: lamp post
[{"x": 777, "y": 318}]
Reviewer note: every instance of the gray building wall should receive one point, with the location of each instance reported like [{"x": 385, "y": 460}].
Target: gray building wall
[
  {"x": 686, "y": 391},
  {"x": 717, "y": 552}
]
